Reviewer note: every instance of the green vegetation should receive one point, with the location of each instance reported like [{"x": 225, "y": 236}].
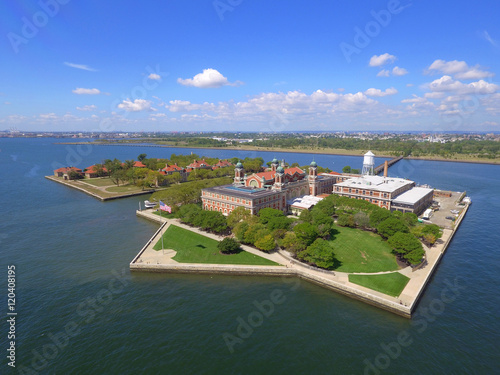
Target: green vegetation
[
  {"x": 361, "y": 251},
  {"x": 320, "y": 254},
  {"x": 98, "y": 181},
  {"x": 408, "y": 246},
  {"x": 391, "y": 284},
  {"x": 194, "y": 248},
  {"x": 229, "y": 246}
]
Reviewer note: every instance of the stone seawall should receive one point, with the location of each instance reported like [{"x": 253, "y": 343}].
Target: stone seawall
[{"x": 276, "y": 272}]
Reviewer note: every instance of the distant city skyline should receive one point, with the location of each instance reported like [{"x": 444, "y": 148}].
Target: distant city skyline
[{"x": 250, "y": 66}]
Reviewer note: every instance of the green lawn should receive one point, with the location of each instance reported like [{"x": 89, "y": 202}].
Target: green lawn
[
  {"x": 391, "y": 284},
  {"x": 360, "y": 251},
  {"x": 124, "y": 189},
  {"x": 194, "y": 248},
  {"x": 98, "y": 181}
]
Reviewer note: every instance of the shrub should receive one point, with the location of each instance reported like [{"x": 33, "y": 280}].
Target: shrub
[{"x": 229, "y": 246}]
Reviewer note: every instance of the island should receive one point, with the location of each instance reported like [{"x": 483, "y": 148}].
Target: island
[{"x": 370, "y": 237}]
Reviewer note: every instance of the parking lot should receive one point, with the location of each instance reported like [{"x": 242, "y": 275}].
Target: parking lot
[{"x": 445, "y": 207}]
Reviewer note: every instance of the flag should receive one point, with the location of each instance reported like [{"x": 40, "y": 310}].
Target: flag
[{"x": 164, "y": 207}]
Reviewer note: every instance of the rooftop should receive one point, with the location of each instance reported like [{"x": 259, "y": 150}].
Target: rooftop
[
  {"x": 305, "y": 202},
  {"x": 240, "y": 191},
  {"x": 412, "y": 196},
  {"x": 386, "y": 184}
]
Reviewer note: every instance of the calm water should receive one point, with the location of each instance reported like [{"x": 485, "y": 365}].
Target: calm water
[{"x": 72, "y": 252}]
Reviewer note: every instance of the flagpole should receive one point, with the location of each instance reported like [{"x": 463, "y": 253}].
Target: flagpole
[{"x": 161, "y": 223}]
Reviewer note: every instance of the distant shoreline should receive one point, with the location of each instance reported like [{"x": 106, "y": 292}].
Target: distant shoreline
[{"x": 299, "y": 151}]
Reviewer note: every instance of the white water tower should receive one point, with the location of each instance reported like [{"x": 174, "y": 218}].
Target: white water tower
[{"x": 368, "y": 163}]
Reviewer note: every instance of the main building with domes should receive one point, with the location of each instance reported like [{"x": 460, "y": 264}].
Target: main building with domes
[{"x": 272, "y": 188}]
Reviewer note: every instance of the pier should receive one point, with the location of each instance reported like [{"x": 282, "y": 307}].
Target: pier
[{"x": 391, "y": 162}]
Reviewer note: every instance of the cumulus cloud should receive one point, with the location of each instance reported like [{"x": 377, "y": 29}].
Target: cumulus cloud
[
  {"x": 380, "y": 93},
  {"x": 448, "y": 84},
  {"x": 135, "y": 106},
  {"x": 82, "y": 91},
  {"x": 87, "y": 108},
  {"x": 209, "y": 78},
  {"x": 382, "y": 59},
  {"x": 155, "y": 77},
  {"x": 459, "y": 69},
  {"x": 384, "y": 73},
  {"x": 80, "y": 66},
  {"x": 397, "y": 71}
]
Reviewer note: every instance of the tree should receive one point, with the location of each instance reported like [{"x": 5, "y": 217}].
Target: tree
[
  {"x": 390, "y": 226},
  {"x": 211, "y": 221},
  {"x": 254, "y": 232},
  {"x": 327, "y": 206},
  {"x": 268, "y": 213},
  {"x": 361, "y": 219},
  {"x": 346, "y": 220},
  {"x": 410, "y": 219},
  {"x": 99, "y": 170},
  {"x": 128, "y": 164},
  {"x": 306, "y": 233},
  {"x": 408, "y": 246},
  {"x": 74, "y": 175},
  {"x": 266, "y": 243},
  {"x": 306, "y": 216},
  {"x": 240, "y": 229},
  {"x": 291, "y": 243},
  {"x": 346, "y": 169},
  {"x": 319, "y": 253},
  {"x": 379, "y": 215},
  {"x": 229, "y": 246},
  {"x": 237, "y": 215},
  {"x": 141, "y": 157},
  {"x": 355, "y": 171},
  {"x": 188, "y": 212}
]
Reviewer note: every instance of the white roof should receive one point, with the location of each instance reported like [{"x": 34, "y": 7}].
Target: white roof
[
  {"x": 369, "y": 153},
  {"x": 307, "y": 201},
  {"x": 412, "y": 196},
  {"x": 386, "y": 184}
]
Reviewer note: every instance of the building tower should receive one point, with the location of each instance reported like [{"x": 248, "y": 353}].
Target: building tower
[
  {"x": 239, "y": 174},
  {"x": 274, "y": 164},
  {"x": 313, "y": 178},
  {"x": 279, "y": 178},
  {"x": 368, "y": 164}
]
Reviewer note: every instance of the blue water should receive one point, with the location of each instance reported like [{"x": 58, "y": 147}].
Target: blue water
[{"x": 72, "y": 252}]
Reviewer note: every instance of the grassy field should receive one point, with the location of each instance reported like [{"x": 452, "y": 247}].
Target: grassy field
[
  {"x": 164, "y": 214},
  {"x": 124, "y": 189},
  {"x": 360, "y": 251},
  {"x": 194, "y": 248},
  {"x": 391, "y": 284},
  {"x": 98, "y": 181}
]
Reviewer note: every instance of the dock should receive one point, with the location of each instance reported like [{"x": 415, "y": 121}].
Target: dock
[{"x": 380, "y": 168}]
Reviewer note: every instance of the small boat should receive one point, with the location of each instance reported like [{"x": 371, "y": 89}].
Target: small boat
[
  {"x": 149, "y": 204},
  {"x": 467, "y": 200}
]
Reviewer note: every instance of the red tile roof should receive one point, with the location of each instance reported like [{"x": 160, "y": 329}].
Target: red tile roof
[
  {"x": 138, "y": 164},
  {"x": 172, "y": 168},
  {"x": 293, "y": 170},
  {"x": 91, "y": 169},
  {"x": 67, "y": 169},
  {"x": 198, "y": 164}
]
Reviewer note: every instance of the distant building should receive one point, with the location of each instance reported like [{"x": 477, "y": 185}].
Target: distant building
[
  {"x": 91, "y": 172},
  {"x": 64, "y": 172},
  {"x": 387, "y": 192},
  {"x": 272, "y": 188},
  {"x": 198, "y": 164}
]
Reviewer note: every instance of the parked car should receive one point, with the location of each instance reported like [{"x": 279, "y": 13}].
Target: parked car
[{"x": 450, "y": 217}]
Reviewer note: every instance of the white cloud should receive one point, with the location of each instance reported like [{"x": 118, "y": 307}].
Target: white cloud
[
  {"x": 209, "y": 78},
  {"x": 459, "y": 69},
  {"x": 381, "y": 59},
  {"x": 135, "y": 106},
  {"x": 87, "y": 108},
  {"x": 448, "y": 84},
  {"x": 48, "y": 116},
  {"x": 397, "y": 71},
  {"x": 409, "y": 85},
  {"x": 384, "y": 73},
  {"x": 82, "y": 91},
  {"x": 155, "y": 77},
  {"x": 489, "y": 39},
  {"x": 80, "y": 66},
  {"x": 380, "y": 93},
  {"x": 434, "y": 95}
]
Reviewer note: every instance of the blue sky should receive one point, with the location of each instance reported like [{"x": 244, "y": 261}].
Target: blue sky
[{"x": 250, "y": 65}]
